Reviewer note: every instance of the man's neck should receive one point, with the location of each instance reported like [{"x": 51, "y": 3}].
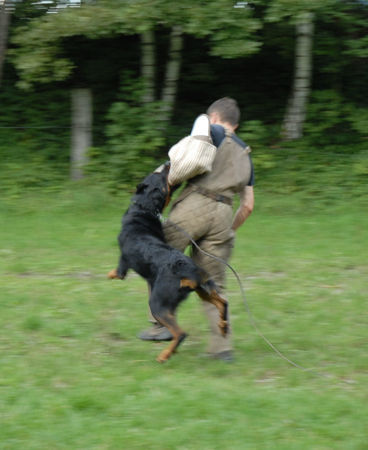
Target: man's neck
[{"x": 215, "y": 120}]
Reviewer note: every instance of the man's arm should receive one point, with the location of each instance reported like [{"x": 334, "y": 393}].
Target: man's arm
[{"x": 245, "y": 208}]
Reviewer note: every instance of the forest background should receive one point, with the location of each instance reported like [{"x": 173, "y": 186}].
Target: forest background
[{"x": 143, "y": 70}]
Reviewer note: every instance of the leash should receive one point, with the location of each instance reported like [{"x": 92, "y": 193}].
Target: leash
[{"x": 242, "y": 290}]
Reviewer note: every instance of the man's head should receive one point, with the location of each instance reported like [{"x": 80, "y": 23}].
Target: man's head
[{"x": 224, "y": 111}]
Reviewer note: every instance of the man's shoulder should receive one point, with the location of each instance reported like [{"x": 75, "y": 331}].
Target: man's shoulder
[
  {"x": 218, "y": 134},
  {"x": 239, "y": 141}
]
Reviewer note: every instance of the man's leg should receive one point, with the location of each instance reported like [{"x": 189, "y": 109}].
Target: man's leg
[
  {"x": 209, "y": 224},
  {"x": 219, "y": 344},
  {"x": 215, "y": 250}
]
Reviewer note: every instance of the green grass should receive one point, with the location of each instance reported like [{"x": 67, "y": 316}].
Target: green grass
[{"x": 73, "y": 375}]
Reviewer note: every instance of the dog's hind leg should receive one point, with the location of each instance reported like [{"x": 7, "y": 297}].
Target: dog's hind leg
[
  {"x": 209, "y": 293},
  {"x": 167, "y": 318}
]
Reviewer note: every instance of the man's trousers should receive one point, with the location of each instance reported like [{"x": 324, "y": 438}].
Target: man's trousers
[{"x": 208, "y": 223}]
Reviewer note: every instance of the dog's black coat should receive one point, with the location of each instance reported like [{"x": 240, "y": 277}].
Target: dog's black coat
[
  {"x": 170, "y": 274},
  {"x": 142, "y": 241}
]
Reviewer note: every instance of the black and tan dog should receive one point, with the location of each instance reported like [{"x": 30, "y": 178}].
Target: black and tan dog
[{"x": 171, "y": 274}]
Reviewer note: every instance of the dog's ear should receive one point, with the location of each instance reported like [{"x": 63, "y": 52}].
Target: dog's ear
[{"x": 141, "y": 187}]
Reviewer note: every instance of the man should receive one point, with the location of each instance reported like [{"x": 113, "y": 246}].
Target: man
[{"x": 204, "y": 211}]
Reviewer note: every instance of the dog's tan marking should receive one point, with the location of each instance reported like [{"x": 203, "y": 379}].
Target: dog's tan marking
[
  {"x": 221, "y": 304},
  {"x": 113, "y": 274},
  {"x": 169, "y": 321},
  {"x": 187, "y": 282}
]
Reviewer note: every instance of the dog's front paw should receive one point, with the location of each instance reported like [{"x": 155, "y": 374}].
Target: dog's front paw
[{"x": 113, "y": 274}]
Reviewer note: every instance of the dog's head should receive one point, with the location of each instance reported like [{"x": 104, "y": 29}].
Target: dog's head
[{"x": 153, "y": 193}]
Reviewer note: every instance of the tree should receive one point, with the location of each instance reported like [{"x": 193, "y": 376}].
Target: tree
[
  {"x": 148, "y": 65},
  {"x": 39, "y": 62},
  {"x": 302, "y": 14},
  {"x": 81, "y": 131},
  {"x": 296, "y": 109},
  {"x": 172, "y": 73},
  {"x": 4, "y": 27}
]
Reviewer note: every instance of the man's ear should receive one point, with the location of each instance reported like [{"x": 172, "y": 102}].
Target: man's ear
[{"x": 214, "y": 118}]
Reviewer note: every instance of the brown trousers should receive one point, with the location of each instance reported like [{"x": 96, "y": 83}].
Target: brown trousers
[{"x": 208, "y": 222}]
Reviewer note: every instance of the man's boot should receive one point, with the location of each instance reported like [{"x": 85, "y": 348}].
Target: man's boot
[{"x": 156, "y": 333}]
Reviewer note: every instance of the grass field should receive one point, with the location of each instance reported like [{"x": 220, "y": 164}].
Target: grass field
[{"x": 74, "y": 376}]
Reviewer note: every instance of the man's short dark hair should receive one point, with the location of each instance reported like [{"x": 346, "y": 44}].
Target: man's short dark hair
[{"x": 227, "y": 109}]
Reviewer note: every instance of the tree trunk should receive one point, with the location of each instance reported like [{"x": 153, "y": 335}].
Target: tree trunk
[
  {"x": 4, "y": 26},
  {"x": 148, "y": 65},
  {"x": 172, "y": 73},
  {"x": 296, "y": 109},
  {"x": 81, "y": 131}
]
